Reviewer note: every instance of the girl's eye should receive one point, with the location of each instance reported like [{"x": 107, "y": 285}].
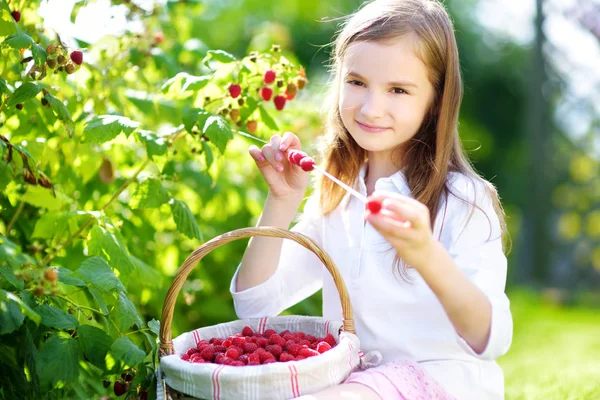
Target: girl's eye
[
  {"x": 354, "y": 82},
  {"x": 399, "y": 91}
]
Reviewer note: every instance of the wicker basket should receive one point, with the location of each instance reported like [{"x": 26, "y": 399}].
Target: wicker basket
[{"x": 181, "y": 379}]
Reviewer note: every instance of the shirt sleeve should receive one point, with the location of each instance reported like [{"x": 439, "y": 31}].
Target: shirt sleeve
[
  {"x": 299, "y": 273},
  {"x": 477, "y": 250}
]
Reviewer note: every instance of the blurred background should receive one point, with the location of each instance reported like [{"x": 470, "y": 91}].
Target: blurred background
[{"x": 530, "y": 120}]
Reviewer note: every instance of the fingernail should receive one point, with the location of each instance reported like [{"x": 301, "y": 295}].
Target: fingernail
[
  {"x": 282, "y": 147},
  {"x": 280, "y": 168},
  {"x": 261, "y": 158},
  {"x": 278, "y": 156}
]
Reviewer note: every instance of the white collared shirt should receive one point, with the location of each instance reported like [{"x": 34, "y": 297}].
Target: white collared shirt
[{"x": 401, "y": 320}]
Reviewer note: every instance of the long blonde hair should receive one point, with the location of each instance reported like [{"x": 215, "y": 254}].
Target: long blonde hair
[{"x": 436, "y": 149}]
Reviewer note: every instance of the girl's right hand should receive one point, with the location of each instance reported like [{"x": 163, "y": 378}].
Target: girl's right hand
[{"x": 286, "y": 181}]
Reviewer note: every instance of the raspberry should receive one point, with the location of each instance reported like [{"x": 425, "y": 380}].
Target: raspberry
[
  {"x": 227, "y": 361},
  {"x": 265, "y": 356},
  {"x": 227, "y": 343},
  {"x": 77, "y": 57},
  {"x": 247, "y": 331},
  {"x": 238, "y": 341},
  {"x": 262, "y": 342},
  {"x": 185, "y": 357},
  {"x": 266, "y": 93},
  {"x": 235, "y": 90},
  {"x": 268, "y": 333},
  {"x": 159, "y": 37},
  {"x": 260, "y": 351},
  {"x": 16, "y": 15},
  {"x": 294, "y": 349},
  {"x": 234, "y": 114},
  {"x": 292, "y": 89},
  {"x": 301, "y": 82},
  {"x": 274, "y": 349},
  {"x": 286, "y": 357},
  {"x": 216, "y": 341},
  {"x": 237, "y": 363},
  {"x": 254, "y": 359},
  {"x": 61, "y": 59},
  {"x": 51, "y": 49},
  {"x": 51, "y": 63},
  {"x": 270, "y": 76},
  {"x": 232, "y": 353},
  {"x": 374, "y": 206},
  {"x": 201, "y": 347},
  {"x": 244, "y": 358},
  {"x": 198, "y": 360},
  {"x": 191, "y": 351},
  {"x": 19, "y": 106},
  {"x": 298, "y": 358},
  {"x": 307, "y": 164},
  {"x": 294, "y": 156},
  {"x": 270, "y": 360},
  {"x": 219, "y": 357},
  {"x": 208, "y": 353},
  {"x": 51, "y": 275},
  {"x": 120, "y": 388},
  {"x": 289, "y": 96},
  {"x": 250, "y": 347},
  {"x": 322, "y": 347},
  {"x": 70, "y": 68},
  {"x": 251, "y": 126},
  {"x": 329, "y": 339},
  {"x": 276, "y": 339},
  {"x": 300, "y": 335},
  {"x": 253, "y": 339},
  {"x": 311, "y": 338},
  {"x": 220, "y": 348},
  {"x": 279, "y": 102},
  {"x": 306, "y": 352},
  {"x": 287, "y": 337}
]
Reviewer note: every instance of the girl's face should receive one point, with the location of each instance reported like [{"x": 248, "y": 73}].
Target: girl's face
[{"x": 385, "y": 94}]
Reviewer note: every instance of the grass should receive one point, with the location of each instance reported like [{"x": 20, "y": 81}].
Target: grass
[{"x": 555, "y": 353}]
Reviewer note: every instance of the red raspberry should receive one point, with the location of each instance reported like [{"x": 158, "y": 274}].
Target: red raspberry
[
  {"x": 227, "y": 343},
  {"x": 250, "y": 347},
  {"x": 274, "y": 349},
  {"x": 294, "y": 349},
  {"x": 262, "y": 342},
  {"x": 330, "y": 339},
  {"x": 232, "y": 353},
  {"x": 268, "y": 333},
  {"x": 307, "y": 164},
  {"x": 244, "y": 358},
  {"x": 238, "y": 341},
  {"x": 270, "y": 360},
  {"x": 220, "y": 348},
  {"x": 216, "y": 341},
  {"x": 269, "y": 76},
  {"x": 185, "y": 357},
  {"x": 260, "y": 351},
  {"x": 77, "y": 57},
  {"x": 374, "y": 206},
  {"x": 192, "y": 351},
  {"x": 276, "y": 339},
  {"x": 195, "y": 357},
  {"x": 253, "y": 339},
  {"x": 203, "y": 346},
  {"x": 199, "y": 360},
  {"x": 265, "y": 356},
  {"x": 247, "y": 331},
  {"x": 251, "y": 126},
  {"x": 254, "y": 359},
  {"x": 298, "y": 358},
  {"x": 219, "y": 358},
  {"x": 235, "y": 90},
  {"x": 300, "y": 335},
  {"x": 322, "y": 347},
  {"x": 279, "y": 102},
  {"x": 304, "y": 342},
  {"x": 287, "y": 337},
  {"x": 208, "y": 353},
  {"x": 17, "y": 16},
  {"x": 311, "y": 338},
  {"x": 266, "y": 93},
  {"x": 286, "y": 332},
  {"x": 289, "y": 96},
  {"x": 237, "y": 363},
  {"x": 294, "y": 156},
  {"x": 306, "y": 352},
  {"x": 286, "y": 357},
  {"x": 120, "y": 388},
  {"x": 227, "y": 361}
]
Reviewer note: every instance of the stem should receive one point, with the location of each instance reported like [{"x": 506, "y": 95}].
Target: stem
[
  {"x": 79, "y": 306},
  {"x": 71, "y": 238},
  {"x": 15, "y": 217}
]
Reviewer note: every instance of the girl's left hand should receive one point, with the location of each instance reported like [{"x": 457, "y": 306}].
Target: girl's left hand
[{"x": 405, "y": 223}]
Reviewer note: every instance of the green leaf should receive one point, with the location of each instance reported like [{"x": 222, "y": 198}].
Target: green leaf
[
  {"x": 58, "y": 360},
  {"x": 219, "y": 56},
  {"x": 61, "y": 111},
  {"x": 194, "y": 82},
  {"x": 95, "y": 344},
  {"x": 24, "y": 307},
  {"x": 41, "y": 197},
  {"x": 98, "y": 273},
  {"x": 208, "y": 154},
  {"x": 11, "y": 317},
  {"x": 8, "y": 25},
  {"x": 7, "y": 273},
  {"x": 149, "y": 194},
  {"x": 106, "y": 127},
  {"x": 267, "y": 119},
  {"x": 154, "y": 326},
  {"x": 177, "y": 79},
  {"x": 125, "y": 313},
  {"x": 19, "y": 40},
  {"x": 24, "y": 92},
  {"x": 56, "y": 318},
  {"x": 155, "y": 145},
  {"x": 125, "y": 350},
  {"x": 190, "y": 117},
  {"x": 39, "y": 54},
  {"x": 96, "y": 296},
  {"x": 4, "y": 87},
  {"x": 105, "y": 243},
  {"x": 184, "y": 219},
  {"x": 5, "y": 173},
  {"x": 66, "y": 276},
  {"x": 217, "y": 130}
]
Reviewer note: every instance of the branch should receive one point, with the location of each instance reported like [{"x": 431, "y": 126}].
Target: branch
[{"x": 14, "y": 218}]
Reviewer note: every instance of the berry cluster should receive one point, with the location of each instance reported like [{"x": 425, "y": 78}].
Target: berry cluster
[
  {"x": 301, "y": 159},
  {"x": 252, "y": 348},
  {"x": 60, "y": 61}
]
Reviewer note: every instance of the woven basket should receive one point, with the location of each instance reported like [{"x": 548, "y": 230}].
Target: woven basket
[{"x": 181, "y": 379}]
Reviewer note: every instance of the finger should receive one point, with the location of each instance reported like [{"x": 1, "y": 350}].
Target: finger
[
  {"x": 256, "y": 154},
  {"x": 381, "y": 195},
  {"x": 289, "y": 141},
  {"x": 269, "y": 154},
  {"x": 403, "y": 211},
  {"x": 275, "y": 143},
  {"x": 390, "y": 227}
]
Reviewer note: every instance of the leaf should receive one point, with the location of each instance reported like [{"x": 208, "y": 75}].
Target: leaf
[
  {"x": 149, "y": 194},
  {"x": 155, "y": 145},
  {"x": 219, "y": 56},
  {"x": 194, "y": 82},
  {"x": 171, "y": 81},
  {"x": 19, "y": 40},
  {"x": 24, "y": 92},
  {"x": 24, "y": 307},
  {"x": 7, "y": 273},
  {"x": 5, "y": 173},
  {"x": 125, "y": 313},
  {"x": 96, "y": 296},
  {"x": 217, "y": 130},
  {"x": 58, "y": 360},
  {"x": 190, "y": 117},
  {"x": 61, "y": 111},
  {"x": 4, "y": 87},
  {"x": 56, "y": 318},
  {"x": 154, "y": 326},
  {"x": 11, "y": 317},
  {"x": 66, "y": 276},
  {"x": 105, "y": 243},
  {"x": 39, "y": 54},
  {"x": 8, "y": 25},
  {"x": 208, "y": 154},
  {"x": 184, "y": 219},
  {"x": 125, "y": 350},
  {"x": 267, "y": 119},
  {"x": 95, "y": 344},
  {"x": 39, "y": 196},
  {"x": 98, "y": 273},
  {"x": 106, "y": 127}
]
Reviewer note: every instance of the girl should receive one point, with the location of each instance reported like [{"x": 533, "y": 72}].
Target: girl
[{"x": 426, "y": 275}]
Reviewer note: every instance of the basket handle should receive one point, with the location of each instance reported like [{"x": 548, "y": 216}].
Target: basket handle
[{"x": 166, "y": 344}]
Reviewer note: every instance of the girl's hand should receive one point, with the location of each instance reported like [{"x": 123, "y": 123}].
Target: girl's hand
[
  {"x": 286, "y": 181},
  {"x": 405, "y": 223}
]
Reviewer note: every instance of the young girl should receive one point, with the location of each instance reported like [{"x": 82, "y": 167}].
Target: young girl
[{"x": 426, "y": 275}]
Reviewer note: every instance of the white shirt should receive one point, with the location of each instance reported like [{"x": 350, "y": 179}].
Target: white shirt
[{"x": 400, "y": 320}]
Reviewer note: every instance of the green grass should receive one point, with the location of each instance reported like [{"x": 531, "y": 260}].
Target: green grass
[{"x": 555, "y": 353}]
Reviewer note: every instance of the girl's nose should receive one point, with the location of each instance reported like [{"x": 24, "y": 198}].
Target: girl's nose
[{"x": 373, "y": 107}]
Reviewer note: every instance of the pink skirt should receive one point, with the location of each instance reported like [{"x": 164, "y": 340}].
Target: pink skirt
[{"x": 400, "y": 380}]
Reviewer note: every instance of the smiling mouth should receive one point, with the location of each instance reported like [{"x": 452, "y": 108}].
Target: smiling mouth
[{"x": 371, "y": 128}]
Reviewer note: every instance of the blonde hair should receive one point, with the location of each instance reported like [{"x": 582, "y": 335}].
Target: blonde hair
[{"x": 436, "y": 149}]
